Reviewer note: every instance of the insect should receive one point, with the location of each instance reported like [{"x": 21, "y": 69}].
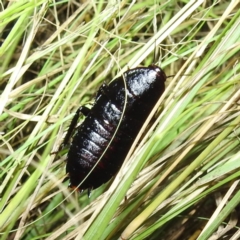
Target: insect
[{"x": 111, "y": 125}]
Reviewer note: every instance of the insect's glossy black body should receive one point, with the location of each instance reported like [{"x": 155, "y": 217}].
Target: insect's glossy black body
[{"x": 144, "y": 87}]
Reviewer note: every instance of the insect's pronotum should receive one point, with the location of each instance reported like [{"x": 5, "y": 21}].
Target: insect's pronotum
[{"x": 144, "y": 86}]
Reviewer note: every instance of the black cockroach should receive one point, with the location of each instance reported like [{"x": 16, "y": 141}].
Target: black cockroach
[{"x": 111, "y": 125}]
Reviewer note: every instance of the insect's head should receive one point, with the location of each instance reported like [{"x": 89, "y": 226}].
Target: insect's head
[{"x": 160, "y": 73}]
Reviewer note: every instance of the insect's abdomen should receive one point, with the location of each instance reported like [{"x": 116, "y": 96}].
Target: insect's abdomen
[{"x": 111, "y": 108}]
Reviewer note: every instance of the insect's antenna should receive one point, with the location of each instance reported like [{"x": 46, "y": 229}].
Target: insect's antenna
[
  {"x": 179, "y": 75},
  {"x": 155, "y": 52}
]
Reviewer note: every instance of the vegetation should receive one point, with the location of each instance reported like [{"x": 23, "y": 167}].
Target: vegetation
[{"x": 181, "y": 181}]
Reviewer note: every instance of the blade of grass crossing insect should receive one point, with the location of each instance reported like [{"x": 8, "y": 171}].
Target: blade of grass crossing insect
[{"x": 173, "y": 185}]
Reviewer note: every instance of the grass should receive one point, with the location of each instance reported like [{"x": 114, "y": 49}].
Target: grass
[{"x": 181, "y": 181}]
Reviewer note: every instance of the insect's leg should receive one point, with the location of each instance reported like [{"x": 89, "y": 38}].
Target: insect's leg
[
  {"x": 89, "y": 192},
  {"x": 85, "y": 111},
  {"x": 102, "y": 90}
]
